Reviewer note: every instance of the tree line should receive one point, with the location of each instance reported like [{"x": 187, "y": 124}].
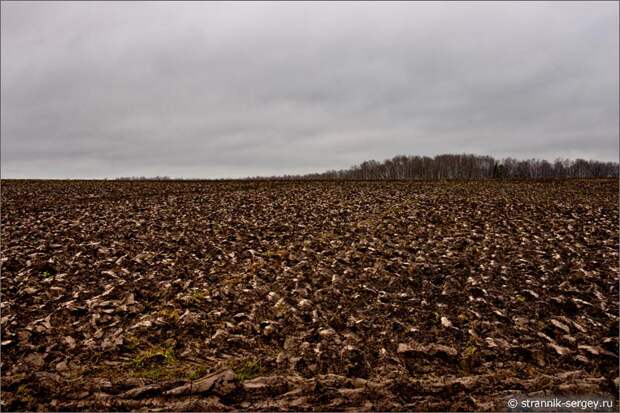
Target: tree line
[{"x": 467, "y": 166}]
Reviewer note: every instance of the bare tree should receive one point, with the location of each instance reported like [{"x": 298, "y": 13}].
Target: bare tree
[{"x": 466, "y": 166}]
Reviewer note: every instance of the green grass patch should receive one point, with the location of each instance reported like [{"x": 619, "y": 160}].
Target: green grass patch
[
  {"x": 169, "y": 314},
  {"x": 154, "y": 356},
  {"x": 249, "y": 369},
  {"x": 197, "y": 373}
]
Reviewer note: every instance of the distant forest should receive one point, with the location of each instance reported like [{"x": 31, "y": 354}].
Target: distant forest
[
  {"x": 467, "y": 167},
  {"x": 452, "y": 167}
]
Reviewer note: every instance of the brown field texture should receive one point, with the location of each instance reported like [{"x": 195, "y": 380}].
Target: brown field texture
[{"x": 306, "y": 295}]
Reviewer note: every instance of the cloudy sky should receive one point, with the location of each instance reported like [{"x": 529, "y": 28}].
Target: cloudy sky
[{"x": 235, "y": 89}]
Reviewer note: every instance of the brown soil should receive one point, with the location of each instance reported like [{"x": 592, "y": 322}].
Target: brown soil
[{"x": 306, "y": 295}]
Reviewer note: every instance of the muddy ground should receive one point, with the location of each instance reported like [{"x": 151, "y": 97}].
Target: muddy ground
[{"x": 306, "y": 295}]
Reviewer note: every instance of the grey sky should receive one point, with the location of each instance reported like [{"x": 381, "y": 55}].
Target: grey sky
[{"x": 236, "y": 89}]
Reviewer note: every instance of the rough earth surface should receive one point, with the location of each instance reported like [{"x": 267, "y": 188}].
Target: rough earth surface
[{"x": 306, "y": 295}]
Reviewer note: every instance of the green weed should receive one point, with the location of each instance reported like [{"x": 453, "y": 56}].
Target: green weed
[{"x": 248, "y": 370}]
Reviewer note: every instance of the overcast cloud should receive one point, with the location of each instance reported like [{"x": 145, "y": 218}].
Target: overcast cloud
[{"x": 235, "y": 89}]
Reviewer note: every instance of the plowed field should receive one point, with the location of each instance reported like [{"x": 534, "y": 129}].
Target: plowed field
[{"x": 306, "y": 295}]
